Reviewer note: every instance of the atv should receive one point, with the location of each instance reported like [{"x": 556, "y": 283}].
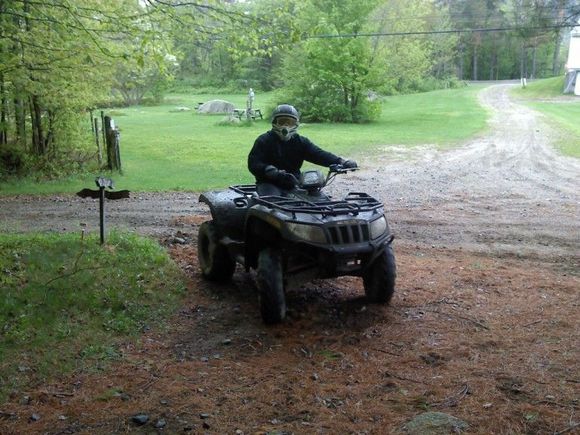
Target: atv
[{"x": 292, "y": 239}]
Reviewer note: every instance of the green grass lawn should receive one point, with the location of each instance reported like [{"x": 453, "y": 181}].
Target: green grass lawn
[
  {"x": 563, "y": 111},
  {"x": 65, "y": 301},
  {"x": 566, "y": 117},
  {"x": 544, "y": 88},
  {"x": 165, "y": 149}
]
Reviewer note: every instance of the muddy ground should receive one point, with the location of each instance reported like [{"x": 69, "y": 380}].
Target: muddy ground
[{"x": 484, "y": 325}]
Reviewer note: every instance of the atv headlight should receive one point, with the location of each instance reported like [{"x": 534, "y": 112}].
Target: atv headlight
[
  {"x": 307, "y": 232},
  {"x": 378, "y": 227}
]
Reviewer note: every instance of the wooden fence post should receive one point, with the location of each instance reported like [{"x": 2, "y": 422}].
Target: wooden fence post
[
  {"x": 112, "y": 137},
  {"x": 103, "y": 127},
  {"x": 117, "y": 148},
  {"x": 99, "y": 149}
]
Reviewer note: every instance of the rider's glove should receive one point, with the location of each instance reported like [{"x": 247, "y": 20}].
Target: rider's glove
[
  {"x": 271, "y": 172},
  {"x": 348, "y": 164},
  {"x": 280, "y": 177},
  {"x": 286, "y": 180}
]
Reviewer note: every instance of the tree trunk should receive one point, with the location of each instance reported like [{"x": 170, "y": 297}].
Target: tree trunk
[
  {"x": 3, "y": 126},
  {"x": 3, "y": 113},
  {"x": 534, "y": 61},
  {"x": 556, "y": 57},
  {"x": 523, "y": 60},
  {"x": 474, "y": 62},
  {"x": 493, "y": 60},
  {"x": 38, "y": 143},
  {"x": 492, "y": 64},
  {"x": 20, "y": 121},
  {"x": 49, "y": 140},
  {"x": 461, "y": 59},
  {"x": 558, "y": 40}
]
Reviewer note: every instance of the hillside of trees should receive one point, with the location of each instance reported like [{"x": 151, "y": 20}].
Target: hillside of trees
[{"x": 59, "y": 59}]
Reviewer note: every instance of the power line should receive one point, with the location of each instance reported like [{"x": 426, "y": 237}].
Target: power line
[
  {"x": 453, "y": 16},
  {"x": 435, "y": 32}
]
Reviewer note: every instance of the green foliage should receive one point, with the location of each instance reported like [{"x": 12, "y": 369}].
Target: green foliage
[
  {"x": 238, "y": 51},
  {"x": 12, "y": 162},
  {"x": 59, "y": 58},
  {"x": 443, "y": 46},
  {"x": 65, "y": 300},
  {"x": 328, "y": 78},
  {"x": 51, "y": 70},
  {"x": 275, "y": 31},
  {"x": 405, "y": 61},
  {"x": 429, "y": 84},
  {"x": 150, "y": 74},
  {"x": 531, "y": 49}
]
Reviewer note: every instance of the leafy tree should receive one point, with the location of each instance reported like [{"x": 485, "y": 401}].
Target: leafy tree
[
  {"x": 261, "y": 64},
  {"x": 408, "y": 59},
  {"x": 328, "y": 76},
  {"x": 525, "y": 44},
  {"x": 443, "y": 50},
  {"x": 245, "y": 53},
  {"x": 60, "y": 57},
  {"x": 51, "y": 69},
  {"x": 148, "y": 73}
]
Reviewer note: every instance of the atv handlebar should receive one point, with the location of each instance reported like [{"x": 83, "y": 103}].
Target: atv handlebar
[
  {"x": 314, "y": 180},
  {"x": 334, "y": 170},
  {"x": 339, "y": 169}
]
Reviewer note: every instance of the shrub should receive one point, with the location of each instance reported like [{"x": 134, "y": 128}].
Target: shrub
[
  {"x": 432, "y": 84},
  {"x": 12, "y": 161}
]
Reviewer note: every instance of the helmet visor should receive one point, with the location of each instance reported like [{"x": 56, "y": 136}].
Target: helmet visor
[{"x": 285, "y": 121}]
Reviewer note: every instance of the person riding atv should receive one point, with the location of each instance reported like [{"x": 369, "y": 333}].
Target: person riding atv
[
  {"x": 277, "y": 155},
  {"x": 288, "y": 230}
]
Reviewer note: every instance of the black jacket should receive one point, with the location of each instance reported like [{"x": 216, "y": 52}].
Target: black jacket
[{"x": 269, "y": 149}]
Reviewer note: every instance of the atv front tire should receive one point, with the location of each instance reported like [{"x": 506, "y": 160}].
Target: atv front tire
[
  {"x": 379, "y": 279},
  {"x": 270, "y": 282},
  {"x": 214, "y": 261}
]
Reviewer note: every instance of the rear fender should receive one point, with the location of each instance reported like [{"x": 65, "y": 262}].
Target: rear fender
[{"x": 228, "y": 210}]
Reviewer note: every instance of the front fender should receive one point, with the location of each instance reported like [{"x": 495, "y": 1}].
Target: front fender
[{"x": 261, "y": 230}]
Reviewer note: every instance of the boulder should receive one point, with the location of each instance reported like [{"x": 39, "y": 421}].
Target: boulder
[{"x": 216, "y": 106}]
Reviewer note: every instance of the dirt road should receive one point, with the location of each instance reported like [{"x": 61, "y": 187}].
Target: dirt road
[{"x": 483, "y": 325}]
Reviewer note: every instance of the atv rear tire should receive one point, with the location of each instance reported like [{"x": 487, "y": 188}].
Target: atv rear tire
[
  {"x": 379, "y": 279},
  {"x": 270, "y": 282},
  {"x": 214, "y": 261}
]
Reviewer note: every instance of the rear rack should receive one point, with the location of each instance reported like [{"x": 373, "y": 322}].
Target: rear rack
[
  {"x": 354, "y": 203},
  {"x": 245, "y": 189}
]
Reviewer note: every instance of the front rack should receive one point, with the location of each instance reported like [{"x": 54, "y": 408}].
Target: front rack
[{"x": 354, "y": 203}]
